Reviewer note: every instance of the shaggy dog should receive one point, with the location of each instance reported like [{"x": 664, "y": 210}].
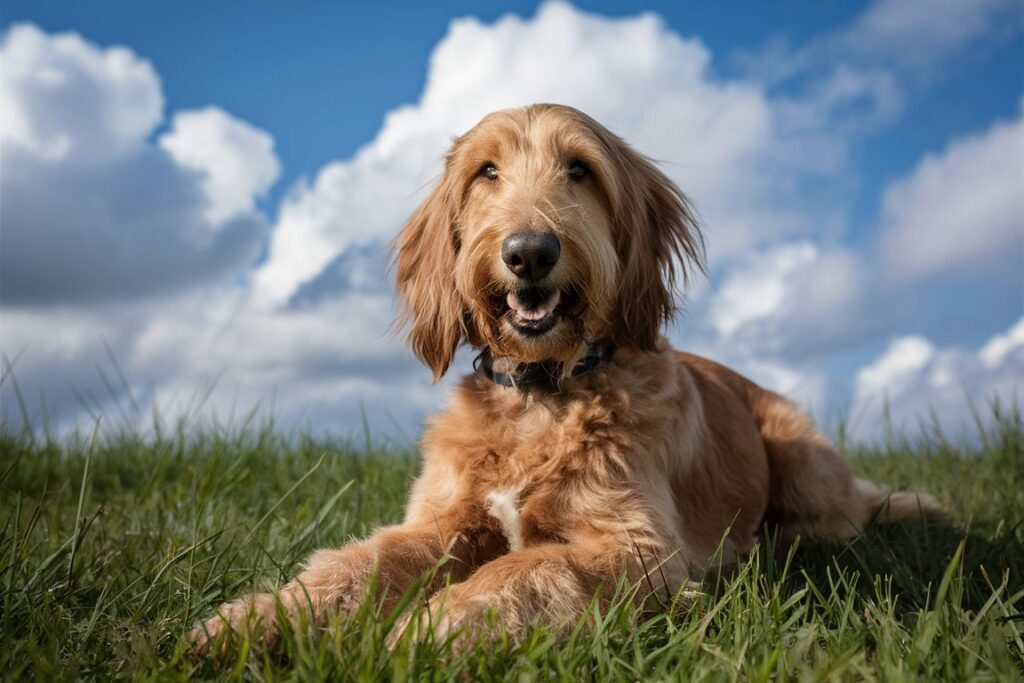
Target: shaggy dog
[{"x": 583, "y": 448}]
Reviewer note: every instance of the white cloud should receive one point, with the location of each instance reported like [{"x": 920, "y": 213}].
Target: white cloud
[
  {"x": 324, "y": 363},
  {"x": 919, "y": 33},
  {"x": 758, "y": 290},
  {"x": 60, "y": 360},
  {"x": 851, "y": 100},
  {"x": 960, "y": 211},
  {"x": 795, "y": 378},
  {"x": 808, "y": 387},
  {"x": 776, "y": 313},
  {"x": 913, "y": 380},
  {"x": 1001, "y": 346},
  {"x": 725, "y": 142},
  {"x": 92, "y": 209},
  {"x": 914, "y": 39},
  {"x": 904, "y": 358},
  {"x": 64, "y": 99},
  {"x": 323, "y": 366},
  {"x": 236, "y": 160},
  {"x": 790, "y": 300}
]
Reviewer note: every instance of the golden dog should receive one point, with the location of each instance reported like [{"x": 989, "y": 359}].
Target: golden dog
[{"x": 583, "y": 448}]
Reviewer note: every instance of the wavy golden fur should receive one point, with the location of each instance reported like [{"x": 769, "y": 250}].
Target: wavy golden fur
[{"x": 535, "y": 499}]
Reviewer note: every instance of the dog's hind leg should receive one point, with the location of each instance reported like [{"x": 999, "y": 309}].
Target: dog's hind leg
[{"x": 813, "y": 491}]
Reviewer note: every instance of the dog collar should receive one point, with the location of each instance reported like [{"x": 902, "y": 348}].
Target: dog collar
[{"x": 544, "y": 374}]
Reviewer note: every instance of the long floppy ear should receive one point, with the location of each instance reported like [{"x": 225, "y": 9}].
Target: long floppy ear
[
  {"x": 659, "y": 241},
  {"x": 424, "y": 255}
]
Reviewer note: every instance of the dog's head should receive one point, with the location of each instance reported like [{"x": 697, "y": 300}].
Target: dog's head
[{"x": 547, "y": 232}]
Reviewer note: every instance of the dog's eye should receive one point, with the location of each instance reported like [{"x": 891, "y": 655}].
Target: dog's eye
[
  {"x": 578, "y": 170},
  {"x": 488, "y": 171}
]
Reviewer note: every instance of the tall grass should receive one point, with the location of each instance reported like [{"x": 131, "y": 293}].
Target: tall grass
[{"x": 112, "y": 544}]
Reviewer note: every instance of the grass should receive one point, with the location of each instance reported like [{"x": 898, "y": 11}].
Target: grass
[{"x": 111, "y": 546}]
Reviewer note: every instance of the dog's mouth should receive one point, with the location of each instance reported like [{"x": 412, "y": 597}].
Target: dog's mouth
[{"x": 534, "y": 311}]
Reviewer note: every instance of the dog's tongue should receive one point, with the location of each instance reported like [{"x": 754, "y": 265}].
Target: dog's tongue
[{"x": 536, "y": 313}]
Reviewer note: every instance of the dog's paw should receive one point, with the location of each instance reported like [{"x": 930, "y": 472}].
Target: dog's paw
[
  {"x": 252, "y": 615},
  {"x": 204, "y": 635},
  {"x": 445, "y": 616}
]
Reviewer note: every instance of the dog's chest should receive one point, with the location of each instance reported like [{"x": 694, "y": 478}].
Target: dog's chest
[
  {"x": 526, "y": 518},
  {"x": 535, "y": 472},
  {"x": 530, "y": 484}
]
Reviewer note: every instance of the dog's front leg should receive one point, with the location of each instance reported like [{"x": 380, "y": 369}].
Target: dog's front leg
[
  {"x": 334, "y": 580},
  {"x": 551, "y": 584}
]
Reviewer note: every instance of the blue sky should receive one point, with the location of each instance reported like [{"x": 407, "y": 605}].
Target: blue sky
[{"x": 836, "y": 273}]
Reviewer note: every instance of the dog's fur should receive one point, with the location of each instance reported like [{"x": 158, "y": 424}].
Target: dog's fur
[{"x": 534, "y": 500}]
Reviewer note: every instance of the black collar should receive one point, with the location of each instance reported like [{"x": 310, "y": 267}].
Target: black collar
[{"x": 544, "y": 374}]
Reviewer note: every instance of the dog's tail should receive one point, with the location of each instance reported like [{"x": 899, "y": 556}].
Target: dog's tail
[{"x": 900, "y": 507}]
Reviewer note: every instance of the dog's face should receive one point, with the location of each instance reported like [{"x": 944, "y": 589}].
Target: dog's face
[{"x": 546, "y": 233}]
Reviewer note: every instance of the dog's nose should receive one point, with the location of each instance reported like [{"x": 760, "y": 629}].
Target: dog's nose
[{"x": 530, "y": 255}]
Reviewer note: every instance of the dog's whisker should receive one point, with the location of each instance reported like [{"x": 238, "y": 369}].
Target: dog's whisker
[{"x": 547, "y": 219}]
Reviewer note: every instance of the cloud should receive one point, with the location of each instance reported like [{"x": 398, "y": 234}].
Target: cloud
[
  {"x": 799, "y": 379},
  {"x": 774, "y": 314},
  {"x": 914, "y": 379},
  {"x": 209, "y": 353},
  {"x": 920, "y": 33},
  {"x": 326, "y": 363},
  {"x": 853, "y": 100},
  {"x": 909, "y": 39},
  {"x": 1002, "y": 346},
  {"x": 894, "y": 369},
  {"x": 791, "y": 300},
  {"x": 236, "y": 160},
  {"x": 92, "y": 209},
  {"x": 960, "y": 211},
  {"x": 758, "y": 290},
  {"x": 117, "y": 231},
  {"x": 60, "y": 362},
  {"x": 62, "y": 99},
  {"x": 726, "y": 143}
]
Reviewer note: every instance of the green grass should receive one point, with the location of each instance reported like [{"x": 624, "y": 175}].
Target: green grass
[{"x": 110, "y": 548}]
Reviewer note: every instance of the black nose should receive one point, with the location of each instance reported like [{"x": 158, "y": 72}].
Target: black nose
[{"x": 530, "y": 255}]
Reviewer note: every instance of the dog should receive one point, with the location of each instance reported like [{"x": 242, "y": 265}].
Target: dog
[{"x": 582, "y": 449}]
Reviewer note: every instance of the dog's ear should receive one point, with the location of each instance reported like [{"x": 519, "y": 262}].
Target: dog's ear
[
  {"x": 424, "y": 254},
  {"x": 659, "y": 242}
]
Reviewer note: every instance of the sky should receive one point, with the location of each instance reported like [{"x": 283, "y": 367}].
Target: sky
[{"x": 195, "y": 198}]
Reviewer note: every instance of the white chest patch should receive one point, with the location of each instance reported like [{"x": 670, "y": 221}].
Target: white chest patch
[{"x": 504, "y": 507}]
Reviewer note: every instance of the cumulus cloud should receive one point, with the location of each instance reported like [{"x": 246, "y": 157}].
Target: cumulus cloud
[
  {"x": 790, "y": 300},
  {"x": 959, "y": 211},
  {"x": 757, "y": 291},
  {"x": 896, "y": 368},
  {"x": 91, "y": 208},
  {"x": 1002, "y": 346},
  {"x": 914, "y": 380},
  {"x": 62, "y": 99},
  {"x": 236, "y": 160},
  {"x": 774, "y": 314}
]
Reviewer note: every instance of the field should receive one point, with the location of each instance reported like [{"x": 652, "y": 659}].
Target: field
[{"x": 111, "y": 546}]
